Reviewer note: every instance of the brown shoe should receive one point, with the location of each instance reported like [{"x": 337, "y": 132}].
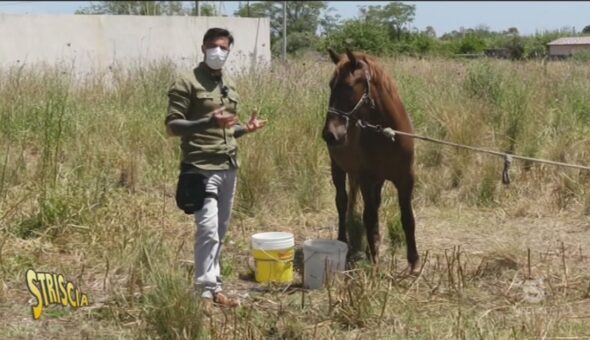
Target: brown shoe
[{"x": 225, "y": 301}]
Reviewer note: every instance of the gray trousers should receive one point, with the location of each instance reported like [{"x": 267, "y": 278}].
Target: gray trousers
[{"x": 212, "y": 222}]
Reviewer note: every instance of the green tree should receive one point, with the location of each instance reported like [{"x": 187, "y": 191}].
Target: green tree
[
  {"x": 302, "y": 16},
  {"x": 297, "y": 43},
  {"x": 328, "y": 22},
  {"x": 515, "y": 47},
  {"x": 512, "y": 30},
  {"x": 135, "y": 8},
  {"x": 453, "y": 35},
  {"x": 586, "y": 30},
  {"x": 361, "y": 36},
  {"x": 430, "y": 32},
  {"x": 257, "y": 10},
  {"x": 471, "y": 43},
  {"x": 207, "y": 10},
  {"x": 395, "y": 16},
  {"x": 483, "y": 31},
  {"x": 303, "y": 20},
  {"x": 423, "y": 42}
]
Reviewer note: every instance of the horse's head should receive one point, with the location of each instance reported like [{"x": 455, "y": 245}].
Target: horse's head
[{"x": 350, "y": 96}]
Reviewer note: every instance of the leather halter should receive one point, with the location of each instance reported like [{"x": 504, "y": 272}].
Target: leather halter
[{"x": 365, "y": 99}]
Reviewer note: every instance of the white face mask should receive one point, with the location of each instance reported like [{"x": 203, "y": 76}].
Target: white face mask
[{"x": 215, "y": 57}]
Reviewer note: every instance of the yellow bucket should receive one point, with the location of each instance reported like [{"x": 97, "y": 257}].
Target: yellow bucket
[{"x": 273, "y": 254}]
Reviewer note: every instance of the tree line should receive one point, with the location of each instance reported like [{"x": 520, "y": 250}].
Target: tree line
[{"x": 381, "y": 30}]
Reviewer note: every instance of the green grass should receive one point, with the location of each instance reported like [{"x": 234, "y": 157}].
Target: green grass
[
  {"x": 87, "y": 180},
  {"x": 170, "y": 308}
]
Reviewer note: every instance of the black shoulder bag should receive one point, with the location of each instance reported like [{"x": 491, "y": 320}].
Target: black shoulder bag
[{"x": 190, "y": 190}]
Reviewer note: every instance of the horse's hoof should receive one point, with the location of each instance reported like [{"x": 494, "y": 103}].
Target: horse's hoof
[{"x": 414, "y": 267}]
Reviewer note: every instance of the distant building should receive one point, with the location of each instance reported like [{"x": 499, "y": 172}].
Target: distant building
[
  {"x": 502, "y": 53},
  {"x": 566, "y": 47},
  {"x": 469, "y": 55}
]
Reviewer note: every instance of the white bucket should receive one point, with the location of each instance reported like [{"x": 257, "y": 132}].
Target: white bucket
[
  {"x": 273, "y": 240},
  {"x": 273, "y": 254},
  {"x": 322, "y": 257}
]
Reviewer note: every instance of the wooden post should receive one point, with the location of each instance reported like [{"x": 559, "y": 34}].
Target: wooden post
[{"x": 284, "y": 30}]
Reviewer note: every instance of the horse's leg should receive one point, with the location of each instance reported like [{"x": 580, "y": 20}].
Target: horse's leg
[
  {"x": 371, "y": 191},
  {"x": 405, "y": 187},
  {"x": 339, "y": 179},
  {"x": 353, "y": 189}
]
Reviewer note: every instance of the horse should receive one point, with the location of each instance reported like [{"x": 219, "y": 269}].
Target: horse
[{"x": 361, "y": 93}]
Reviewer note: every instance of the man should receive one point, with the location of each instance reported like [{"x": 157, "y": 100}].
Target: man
[{"x": 202, "y": 110}]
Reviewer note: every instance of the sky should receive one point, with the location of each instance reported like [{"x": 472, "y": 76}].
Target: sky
[{"x": 444, "y": 16}]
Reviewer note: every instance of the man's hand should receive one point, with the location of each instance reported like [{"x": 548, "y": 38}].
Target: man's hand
[
  {"x": 224, "y": 119},
  {"x": 254, "y": 123}
]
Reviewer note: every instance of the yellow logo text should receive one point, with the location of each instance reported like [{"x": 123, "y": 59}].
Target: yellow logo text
[{"x": 51, "y": 288}]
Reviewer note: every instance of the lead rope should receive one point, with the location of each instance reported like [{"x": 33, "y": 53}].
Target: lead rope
[{"x": 508, "y": 158}]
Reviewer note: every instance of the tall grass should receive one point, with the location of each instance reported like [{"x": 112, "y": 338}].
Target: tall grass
[
  {"x": 87, "y": 176},
  {"x": 57, "y": 129}
]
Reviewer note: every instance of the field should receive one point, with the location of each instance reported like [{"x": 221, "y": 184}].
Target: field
[{"x": 87, "y": 181}]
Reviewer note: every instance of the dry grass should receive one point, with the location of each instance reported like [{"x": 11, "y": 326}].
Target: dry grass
[{"x": 87, "y": 180}]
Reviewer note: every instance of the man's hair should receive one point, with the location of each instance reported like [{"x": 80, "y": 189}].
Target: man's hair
[{"x": 215, "y": 32}]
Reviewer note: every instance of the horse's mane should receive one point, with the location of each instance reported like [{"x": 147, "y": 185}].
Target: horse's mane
[{"x": 378, "y": 74}]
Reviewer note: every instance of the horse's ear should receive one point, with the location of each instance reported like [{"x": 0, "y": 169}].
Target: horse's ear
[
  {"x": 334, "y": 56},
  {"x": 352, "y": 58}
]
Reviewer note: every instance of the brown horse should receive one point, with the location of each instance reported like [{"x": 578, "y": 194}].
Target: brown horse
[{"x": 363, "y": 100}]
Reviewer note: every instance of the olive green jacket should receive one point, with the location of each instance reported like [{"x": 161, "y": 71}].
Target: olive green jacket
[{"x": 195, "y": 96}]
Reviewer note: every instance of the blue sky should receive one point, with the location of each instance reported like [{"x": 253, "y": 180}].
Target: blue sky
[{"x": 444, "y": 16}]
